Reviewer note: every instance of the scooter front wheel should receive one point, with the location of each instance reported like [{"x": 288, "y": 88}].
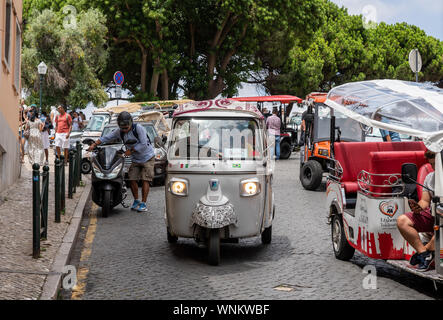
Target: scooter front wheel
[
  {"x": 106, "y": 209},
  {"x": 214, "y": 247}
]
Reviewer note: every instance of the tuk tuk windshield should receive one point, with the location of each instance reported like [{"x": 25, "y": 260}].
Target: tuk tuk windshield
[
  {"x": 97, "y": 122},
  {"x": 350, "y": 129},
  {"x": 228, "y": 139}
]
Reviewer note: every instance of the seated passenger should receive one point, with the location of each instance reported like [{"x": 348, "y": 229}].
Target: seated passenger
[{"x": 420, "y": 220}]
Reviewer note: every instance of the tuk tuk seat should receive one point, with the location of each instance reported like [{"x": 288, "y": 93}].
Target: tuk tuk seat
[{"x": 355, "y": 157}]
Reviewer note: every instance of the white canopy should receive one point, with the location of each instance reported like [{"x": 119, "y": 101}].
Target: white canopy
[{"x": 411, "y": 108}]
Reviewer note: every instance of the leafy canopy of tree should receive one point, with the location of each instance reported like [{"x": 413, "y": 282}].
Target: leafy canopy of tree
[
  {"x": 204, "y": 48},
  {"x": 75, "y": 54}
]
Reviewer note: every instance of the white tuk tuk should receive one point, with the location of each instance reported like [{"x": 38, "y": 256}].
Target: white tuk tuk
[
  {"x": 219, "y": 175},
  {"x": 369, "y": 183}
]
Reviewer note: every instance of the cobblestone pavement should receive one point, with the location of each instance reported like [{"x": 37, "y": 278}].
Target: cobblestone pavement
[
  {"x": 21, "y": 276},
  {"x": 129, "y": 257}
]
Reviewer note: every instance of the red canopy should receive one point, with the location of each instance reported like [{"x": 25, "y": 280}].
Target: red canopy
[{"x": 280, "y": 98}]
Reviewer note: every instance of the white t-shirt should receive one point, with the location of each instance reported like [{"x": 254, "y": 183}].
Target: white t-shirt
[
  {"x": 75, "y": 123},
  {"x": 430, "y": 183},
  {"x": 54, "y": 113}
]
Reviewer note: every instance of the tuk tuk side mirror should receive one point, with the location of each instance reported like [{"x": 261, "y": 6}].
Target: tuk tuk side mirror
[{"x": 409, "y": 173}]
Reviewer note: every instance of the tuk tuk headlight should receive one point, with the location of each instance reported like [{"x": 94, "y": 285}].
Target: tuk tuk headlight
[
  {"x": 178, "y": 187},
  {"x": 249, "y": 187},
  {"x": 323, "y": 152}
]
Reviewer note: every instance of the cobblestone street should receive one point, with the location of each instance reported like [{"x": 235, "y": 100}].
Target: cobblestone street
[{"x": 128, "y": 257}]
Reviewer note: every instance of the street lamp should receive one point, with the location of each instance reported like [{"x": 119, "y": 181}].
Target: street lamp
[{"x": 42, "y": 68}]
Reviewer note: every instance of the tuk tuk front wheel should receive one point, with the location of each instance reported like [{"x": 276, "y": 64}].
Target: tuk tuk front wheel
[
  {"x": 214, "y": 247},
  {"x": 171, "y": 238},
  {"x": 342, "y": 249},
  {"x": 311, "y": 175}
]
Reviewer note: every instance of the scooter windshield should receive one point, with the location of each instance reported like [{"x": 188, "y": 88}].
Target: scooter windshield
[
  {"x": 230, "y": 139},
  {"x": 107, "y": 155}
]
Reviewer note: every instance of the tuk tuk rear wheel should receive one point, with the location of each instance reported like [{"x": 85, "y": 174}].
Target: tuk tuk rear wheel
[
  {"x": 311, "y": 175},
  {"x": 214, "y": 247},
  {"x": 342, "y": 249},
  {"x": 266, "y": 236}
]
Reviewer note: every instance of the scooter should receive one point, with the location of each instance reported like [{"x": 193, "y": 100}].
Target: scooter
[{"x": 108, "y": 188}]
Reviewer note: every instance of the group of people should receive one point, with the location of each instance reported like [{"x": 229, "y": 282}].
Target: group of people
[{"x": 35, "y": 130}]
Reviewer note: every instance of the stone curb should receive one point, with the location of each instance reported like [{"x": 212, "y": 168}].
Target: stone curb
[{"x": 53, "y": 280}]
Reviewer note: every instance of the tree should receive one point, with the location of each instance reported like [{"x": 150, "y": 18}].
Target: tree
[{"x": 75, "y": 55}]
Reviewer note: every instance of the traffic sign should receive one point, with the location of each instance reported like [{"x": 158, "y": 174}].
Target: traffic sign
[
  {"x": 415, "y": 60},
  {"x": 119, "y": 78}
]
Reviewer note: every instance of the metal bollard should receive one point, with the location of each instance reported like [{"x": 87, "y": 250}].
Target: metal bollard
[
  {"x": 74, "y": 171},
  {"x": 63, "y": 190},
  {"x": 35, "y": 210},
  {"x": 79, "y": 163},
  {"x": 58, "y": 182},
  {"x": 44, "y": 204},
  {"x": 71, "y": 174}
]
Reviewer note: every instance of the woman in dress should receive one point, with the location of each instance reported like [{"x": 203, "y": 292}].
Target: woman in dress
[{"x": 35, "y": 142}]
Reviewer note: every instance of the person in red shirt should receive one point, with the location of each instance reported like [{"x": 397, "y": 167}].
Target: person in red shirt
[{"x": 63, "y": 128}]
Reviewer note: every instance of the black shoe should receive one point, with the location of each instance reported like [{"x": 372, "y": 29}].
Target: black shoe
[
  {"x": 426, "y": 259},
  {"x": 414, "y": 259}
]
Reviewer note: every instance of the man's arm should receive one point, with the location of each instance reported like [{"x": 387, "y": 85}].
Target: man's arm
[{"x": 70, "y": 126}]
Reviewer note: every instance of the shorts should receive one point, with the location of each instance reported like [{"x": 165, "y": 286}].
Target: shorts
[
  {"x": 45, "y": 139},
  {"x": 61, "y": 141},
  {"x": 423, "y": 222},
  {"x": 142, "y": 171}
]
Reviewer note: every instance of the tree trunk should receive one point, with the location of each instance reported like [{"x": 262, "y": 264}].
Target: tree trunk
[
  {"x": 155, "y": 77},
  {"x": 143, "y": 70},
  {"x": 165, "y": 85}
]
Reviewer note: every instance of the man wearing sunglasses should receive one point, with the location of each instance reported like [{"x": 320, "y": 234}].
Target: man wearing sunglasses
[
  {"x": 420, "y": 220},
  {"x": 143, "y": 160}
]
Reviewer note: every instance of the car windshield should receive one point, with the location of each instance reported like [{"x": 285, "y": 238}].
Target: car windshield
[
  {"x": 230, "y": 139},
  {"x": 97, "y": 122}
]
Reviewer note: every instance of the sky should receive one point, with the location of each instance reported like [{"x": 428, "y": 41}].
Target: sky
[{"x": 425, "y": 14}]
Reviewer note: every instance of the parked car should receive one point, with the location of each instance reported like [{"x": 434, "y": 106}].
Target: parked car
[{"x": 160, "y": 152}]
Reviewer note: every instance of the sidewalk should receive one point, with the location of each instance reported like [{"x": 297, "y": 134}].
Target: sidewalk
[{"x": 21, "y": 276}]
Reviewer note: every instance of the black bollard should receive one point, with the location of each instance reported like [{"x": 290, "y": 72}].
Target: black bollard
[
  {"x": 79, "y": 163},
  {"x": 63, "y": 189},
  {"x": 44, "y": 204},
  {"x": 58, "y": 182},
  {"x": 71, "y": 174},
  {"x": 35, "y": 210}
]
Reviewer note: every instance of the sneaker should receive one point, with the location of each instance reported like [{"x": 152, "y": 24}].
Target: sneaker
[
  {"x": 135, "y": 204},
  {"x": 142, "y": 207},
  {"x": 426, "y": 259},
  {"x": 414, "y": 259}
]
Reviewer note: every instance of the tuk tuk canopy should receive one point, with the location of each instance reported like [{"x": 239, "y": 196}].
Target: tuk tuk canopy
[
  {"x": 275, "y": 98},
  {"x": 157, "y": 119},
  {"x": 137, "y": 106},
  {"x": 217, "y": 105},
  {"x": 410, "y": 108}
]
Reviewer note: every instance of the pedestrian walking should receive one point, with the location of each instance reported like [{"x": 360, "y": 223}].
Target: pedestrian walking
[
  {"x": 45, "y": 134},
  {"x": 76, "y": 122},
  {"x": 273, "y": 124},
  {"x": 142, "y": 153},
  {"x": 22, "y": 123},
  {"x": 63, "y": 128},
  {"x": 35, "y": 143}
]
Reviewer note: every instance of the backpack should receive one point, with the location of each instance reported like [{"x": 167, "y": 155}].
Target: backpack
[{"x": 134, "y": 132}]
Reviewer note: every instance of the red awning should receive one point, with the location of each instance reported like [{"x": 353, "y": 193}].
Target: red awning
[{"x": 280, "y": 98}]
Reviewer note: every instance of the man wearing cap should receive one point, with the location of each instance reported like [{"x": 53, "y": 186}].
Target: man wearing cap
[{"x": 142, "y": 153}]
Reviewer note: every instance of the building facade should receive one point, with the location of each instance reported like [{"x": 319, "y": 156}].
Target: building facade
[{"x": 10, "y": 53}]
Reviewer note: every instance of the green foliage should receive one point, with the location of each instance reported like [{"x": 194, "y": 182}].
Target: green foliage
[
  {"x": 343, "y": 50},
  {"x": 74, "y": 56}
]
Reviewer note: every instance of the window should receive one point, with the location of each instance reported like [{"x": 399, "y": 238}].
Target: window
[
  {"x": 8, "y": 31},
  {"x": 18, "y": 36}
]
